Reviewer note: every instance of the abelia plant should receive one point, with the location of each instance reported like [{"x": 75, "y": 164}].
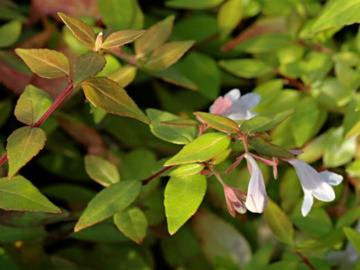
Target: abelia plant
[{"x": 129, "y": 150}]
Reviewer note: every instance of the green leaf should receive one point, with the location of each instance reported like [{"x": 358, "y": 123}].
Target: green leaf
[
  {"x": 201, "y": 149},
  {"x": 220, "y": 239},
  {"x": 218, "y": 122},
  {"x": 168, "y": 54},
  {"x": 264, "y": 123},
  {"x": 174, "y": 76},
  {"x": 79, "y": 29},
  {"x": 229, "y": 16},
  {"x": 190, "y": 4},
  {"x": 279, "y": 223},
  {"x": 337, "y": 150},
  {"x": 31, "y": 105},
  {"x": 121, "y": 38},
  {"x": 263, "y": 147},
  {"x": 101, "y": 170},
  {"x": 170, "y": 133},
  {"x": 108, "y": 202},
  {"x": 124, "y": 76},
  {"x": 18, "y": 194},
  {"x": 187, "y": 170},
  {"x": 317, "y": 216},
  {"x": 121, "y": 14},
  {"x": 111, "y": 97},
  {"x": 306, "y": 121},
  {"x": 183, "y": 197},
  {"x": 87, "y": 65},
  {"x": 246, "y": 68},
  {"x": 45, "y": 63},
  {"x": 10, "y": 33},
  {"x": 154, "y": 37},
  {"x": 353, "y": 169},
  {"x": 203, "y": 71},
  {"x": 353, "y": 236},
  {"x": 132, "y": 223},
  {"x": 337, "y": 14},
  {"x": 22, "y": 145}
]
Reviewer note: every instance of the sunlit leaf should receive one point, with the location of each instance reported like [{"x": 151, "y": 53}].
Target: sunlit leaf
[
  {"x": 183, "y": 196},
  {"x": 124, "y": 75},
  {"x": 121, "y": 38},
  {"x": 189, "y": 4},
  {"x": 10, "y": 33},
  {"x": 101, "y": 170},
  {"x": 217, "y": 122}
]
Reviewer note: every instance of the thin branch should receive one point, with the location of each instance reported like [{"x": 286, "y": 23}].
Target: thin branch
[
  {"x": 57, "y": 102},
  {"x": 306, "y": 261},
  {"x": 156, "y": 175}
]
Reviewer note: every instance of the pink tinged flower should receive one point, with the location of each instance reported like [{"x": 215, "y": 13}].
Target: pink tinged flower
[
  {"x": 256, "y": 198},
  {"x": 234, "y": 200},
  {"x": 315, "y": 184},
  {"x": 235, "y": 106}
]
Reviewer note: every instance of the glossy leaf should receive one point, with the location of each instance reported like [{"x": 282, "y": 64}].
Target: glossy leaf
[
  {"x": 45, "y": 63},
  {"x": 162, "y": 129},
  {"x": 187, "y": 170},
  {"x": 107, "y": 202},
  {"x": 154, "y": 37},
  {"x": 19, "y": 194},
  {"x": 86, "y": 65},
  {"x": 229, "y": 16},
  {"x": 101, "y": 170},
  {"x": 111, "y": 97},
  {"x": 31, "y": 105},
  {"x": 132, "y": 223},
  {"x": 279, "y": 223},
  {"x": 201, "y": 149},
  {"x": 11, "y": 31},
  {"x": 124, "y": 75},
  {"x": 189, "y": 4},
  {"x": 183, "y": 197},
  {"x": 22, "y": 145},
  {"x": 246, "y": 68},
  {"x": 83, "y": 32},
  {"x": 121, "y": 38},
  {"x": 218, "y": 122},
  {"x": 168, "y": 54}
]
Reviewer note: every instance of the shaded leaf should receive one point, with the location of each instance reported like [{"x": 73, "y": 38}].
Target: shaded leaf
[
  {"x": 108, "y": 202},
  {"x": 162, "y": 129},
  {"x": 201, "y": 149},
  {"x": 45, "y": 63},
  {"x": 87, "y": 65},
  {"x": 10, "y": 33},
  {"x": 279, "y": 223},
  {"x": 353, "y": 236},
  {"x": 22, "y": 145},
  {"x": 154, "y": 37},
  {"x": 246, "y": 68},
  {"x": 132, "y": 223},
  {"x": 263, "y": 147},
  {"x": 101, "y": 170},
  {"x": 183, "y": 197},
  {"x": 110, "y": 96}
]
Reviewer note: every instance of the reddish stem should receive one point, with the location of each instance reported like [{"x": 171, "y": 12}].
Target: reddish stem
[
  {"x": 57, "y": 102},
  {"x": 156, "y": 175}
]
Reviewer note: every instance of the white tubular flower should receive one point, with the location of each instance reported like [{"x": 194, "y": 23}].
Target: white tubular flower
[
  {"x": 315, "y": 184},
  {"x": 256, "y": 198},
  {"x": 235, "y": 106}
]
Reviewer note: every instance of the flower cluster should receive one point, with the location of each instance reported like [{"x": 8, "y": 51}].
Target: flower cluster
[{"x": 313, "y": 183}]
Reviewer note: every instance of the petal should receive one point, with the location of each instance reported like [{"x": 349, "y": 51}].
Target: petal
[
  {"x": 256, "y": 198},
  {"x": 239, "y": 115},
  {"x": 221, "y": 106},
  {"x": 324, "y": 193},
  {"x": 331, "y": 178},
  {"x": 249, "y": 101},
  {"x": 233, "y": 95},
  {"x": 307, "y": 203}
]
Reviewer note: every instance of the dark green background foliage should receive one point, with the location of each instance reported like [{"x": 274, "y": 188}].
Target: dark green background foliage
[{"x": 105, "y": 145}]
